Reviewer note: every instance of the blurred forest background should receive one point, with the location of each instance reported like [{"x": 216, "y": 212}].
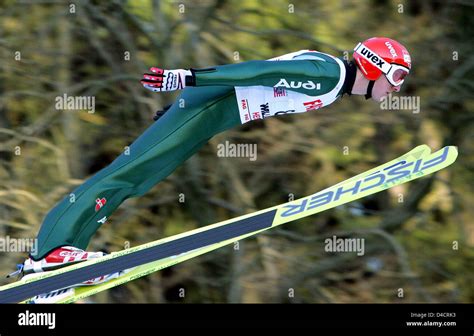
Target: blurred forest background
[{"x": 101, "y": 49}]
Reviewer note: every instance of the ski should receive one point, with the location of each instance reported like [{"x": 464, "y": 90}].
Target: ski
[
  {"x": 151, "y": 257},
  {"x": 70, "y": 295}
]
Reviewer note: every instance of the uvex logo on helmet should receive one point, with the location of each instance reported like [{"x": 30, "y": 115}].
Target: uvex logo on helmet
[
  {"x": 391, "y": 49},
  {"x": 372, "y": 57}
]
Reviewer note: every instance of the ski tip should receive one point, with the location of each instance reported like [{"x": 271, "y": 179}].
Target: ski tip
[{"x": 453, "y": 151}]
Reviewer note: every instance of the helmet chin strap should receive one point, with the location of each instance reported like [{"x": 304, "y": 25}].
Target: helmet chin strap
[{"x": 368, "y": 95}]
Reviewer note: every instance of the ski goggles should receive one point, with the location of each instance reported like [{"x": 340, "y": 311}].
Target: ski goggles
[{"x": 395, "y": 73}]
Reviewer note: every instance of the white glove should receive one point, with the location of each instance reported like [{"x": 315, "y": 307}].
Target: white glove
[{"x": 161, "y": 80}]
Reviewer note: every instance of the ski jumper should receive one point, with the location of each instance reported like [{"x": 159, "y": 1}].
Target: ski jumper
[{"x": 223, "y": 97}]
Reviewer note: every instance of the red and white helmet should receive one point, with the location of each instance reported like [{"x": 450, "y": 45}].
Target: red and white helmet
[{"x": 379, "y": 55}]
